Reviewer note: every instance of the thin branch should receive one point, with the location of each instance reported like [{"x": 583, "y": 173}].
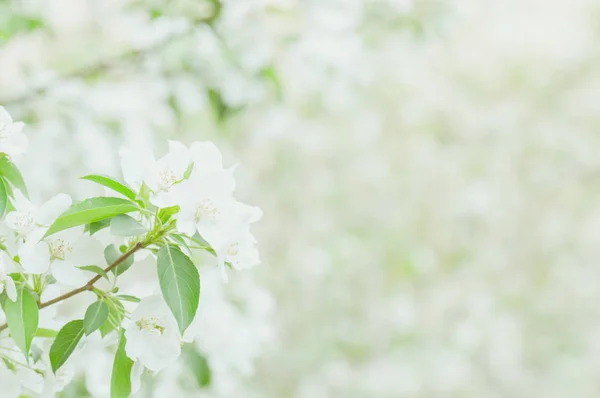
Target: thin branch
[{"x": 91, "y": 282}]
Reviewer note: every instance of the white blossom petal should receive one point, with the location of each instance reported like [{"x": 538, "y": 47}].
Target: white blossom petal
[
  {"x": 21, "y": 203},
  {"x": 49, "y": 211},
  {"x": 5, "y": 118},
  {"x": 35, "y": 257},
  {"x": 206, "y": 156},
  {"x": 68, "y": 274}
]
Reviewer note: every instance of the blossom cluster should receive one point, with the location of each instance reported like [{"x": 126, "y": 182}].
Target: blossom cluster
[{"x": 164, "y": 213}]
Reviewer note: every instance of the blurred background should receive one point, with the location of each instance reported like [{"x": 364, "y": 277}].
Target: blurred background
[{"x": 429, "y": 172}]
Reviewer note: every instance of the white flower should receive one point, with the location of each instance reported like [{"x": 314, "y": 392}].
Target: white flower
[
  {"x": 225, "y": 228},
  {"x": 153, "y": 337},
  {"x": 207, "y": 206},
  {"x": 13, "y": 141},
  {"x": 6, "y": 282},
  {"x": 205, "y": 200},
  {"x": 65, "y": 250},
  {"x": 27, "y": 218},
  {"x": 30, "y": 223},
  {"x": 139, "y": 166},
  {"x": 240, "y": 251},
  {"x": 71, "y": 249}
]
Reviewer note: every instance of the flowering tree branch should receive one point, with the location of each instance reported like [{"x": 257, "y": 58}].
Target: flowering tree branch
[
  {"x": 182, "y": 199},
  {"x": 90, "y": 284}
]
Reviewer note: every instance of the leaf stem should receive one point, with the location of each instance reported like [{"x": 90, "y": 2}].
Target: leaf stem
[{"x": 90, "y": 284}]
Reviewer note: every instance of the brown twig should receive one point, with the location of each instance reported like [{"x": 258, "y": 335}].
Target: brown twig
[{"x": 90, "y": 284}]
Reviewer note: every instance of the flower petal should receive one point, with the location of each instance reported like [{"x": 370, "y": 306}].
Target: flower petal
[
  {"x": 136, "y": 376},
  {"x": 49, "y": 211},
  {"x": 86, "y": 250},
  {"x": 206, "y": 156},
  {"x": 68, "y": 274},
  {"x": 21, "y": 203},
  {"x": 136, "y": 163},
  {"x": 221, "y": 264},
  {"x": 5, "y": 118},
  {"x": 178, "y": 158},
  {"x": 35, "y": 257}
]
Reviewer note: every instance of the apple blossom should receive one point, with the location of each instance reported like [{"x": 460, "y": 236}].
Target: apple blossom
[
  {"x": 152, "y": 336},
  {"x": 140, "y": 167},
  {"x": 28, "y": 218}
]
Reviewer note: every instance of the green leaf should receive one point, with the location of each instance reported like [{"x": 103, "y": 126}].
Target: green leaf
[
  {"x": 94, "y": 227},
  {"x": 180, "y": 240},
  {"x": 111, "y": 183},
  {"x": 45, "y": 333},
  {"x": 116, "y": 313},
  {"x": 95, "y": 316},
  {"x": 65, "y": 343},
  {"x": 111, "y": 254},
  {"x": 120, "y": 382},
  {"x": 196, "y": 364},
  {"x": 95, "y": 269},
  {"x": 3, "y": 197},
  {"x": 22, "y": 317},
  {"x": 10, "y": 171},
  {"x": 188, "y": 171},
  {"x": 126, "y": 297},
  {"x": 144, "y": 194},
  {"x": 91, "y": 210},
  {"x": 167, "y": 212},
  {"x": 124, "y": 225},
  {"x": 200, "y": 240},
  {"x": 180, "y": 284}
]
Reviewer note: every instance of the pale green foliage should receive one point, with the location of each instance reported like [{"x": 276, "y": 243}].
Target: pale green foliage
[
  {"x": 180, "y": 284},
  {"x": 10, "y": 172},
  {"x": 113, "y": 184},
  {"x": 90, "y": 211},
  {"x": 65, "y": 342},
  {"x": 120, "y": 383},
  {"x": 22, "y": 319},
  {"x": 95, "y": 316}
]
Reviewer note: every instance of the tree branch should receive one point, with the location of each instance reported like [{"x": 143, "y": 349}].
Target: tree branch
[{"x": 91, "y": 282}]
